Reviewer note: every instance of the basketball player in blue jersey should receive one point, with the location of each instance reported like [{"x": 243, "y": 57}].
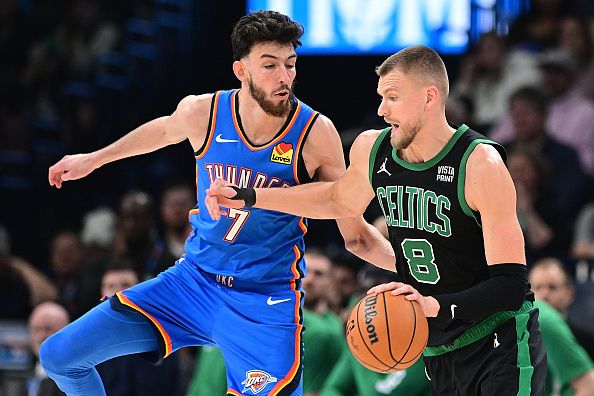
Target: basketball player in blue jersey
[
  {"x": 450, "y": 207},
  {"x": 239, "y": 284}
]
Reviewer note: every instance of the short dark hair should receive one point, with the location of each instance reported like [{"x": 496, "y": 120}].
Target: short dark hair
[
  {"x": 422, "y": 61},
  {"x": 533, "y": 96},
  {"x": 261, "y": 27}
]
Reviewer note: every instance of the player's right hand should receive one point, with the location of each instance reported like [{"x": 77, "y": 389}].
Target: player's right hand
[
  {"x": 71, "y": 167},
  {"x": 219, "y": 194}
]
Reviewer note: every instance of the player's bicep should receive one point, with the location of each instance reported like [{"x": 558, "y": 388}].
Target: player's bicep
[{"x": 490, "y": 190}]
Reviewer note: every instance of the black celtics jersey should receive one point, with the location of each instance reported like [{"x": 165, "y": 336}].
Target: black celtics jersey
[{"x": 437, "y": 237}]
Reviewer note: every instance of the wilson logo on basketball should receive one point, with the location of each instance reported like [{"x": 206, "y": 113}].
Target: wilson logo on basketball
[
  {"x": 282, "y": 153},
  {"x": 256, "y": 381},
  {"x": 371, "y": 313}
]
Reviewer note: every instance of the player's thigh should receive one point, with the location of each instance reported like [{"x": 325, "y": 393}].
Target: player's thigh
[
  {"x": 516, "y": 363},
  {"x": 262, "y": 344}
]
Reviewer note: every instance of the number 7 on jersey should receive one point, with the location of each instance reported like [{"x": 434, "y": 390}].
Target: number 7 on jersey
[{"x": 239, "y": 218}]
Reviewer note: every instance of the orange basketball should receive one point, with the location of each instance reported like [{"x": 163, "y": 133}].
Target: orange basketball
[{"x": 387, "y": 333}]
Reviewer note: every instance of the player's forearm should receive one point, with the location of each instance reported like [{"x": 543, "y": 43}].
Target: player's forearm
[
  {"x": 368, "y": 244},
  {"x": 313, "y": 200},
  {"x": 146, "y": 138}
]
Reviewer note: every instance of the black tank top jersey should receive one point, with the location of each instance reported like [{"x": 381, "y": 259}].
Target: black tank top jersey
[{"x": 437, "y": 237}]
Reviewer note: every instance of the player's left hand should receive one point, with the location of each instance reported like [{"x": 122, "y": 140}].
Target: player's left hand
[
  {"x": 428, "y": 304},
  {"x": 219, "y": 194}
]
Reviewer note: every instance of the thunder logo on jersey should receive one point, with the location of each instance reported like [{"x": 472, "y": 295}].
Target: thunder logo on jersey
[{"x": 244, "y": 177}]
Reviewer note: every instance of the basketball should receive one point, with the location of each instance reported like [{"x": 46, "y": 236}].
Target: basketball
[{"x": 387, "y": 333}]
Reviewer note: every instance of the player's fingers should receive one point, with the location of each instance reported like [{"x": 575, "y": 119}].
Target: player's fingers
[
  {"x": 413, "y": 296},
  {"x": 383, "y": 287},
  {"x": 404, "y": 289},
  {"x": 212, "y": 207}
]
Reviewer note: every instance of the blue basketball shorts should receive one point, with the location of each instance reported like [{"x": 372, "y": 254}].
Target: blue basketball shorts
[{"x": 256, "y": 326}]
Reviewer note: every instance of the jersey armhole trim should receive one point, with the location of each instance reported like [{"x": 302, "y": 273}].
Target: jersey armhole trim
[
  {"x": 374, "y": 150},
  {"x": 299, "y": 168},
  {"x": 212, "y": 122},
  {"x": 462, "y": 178}
]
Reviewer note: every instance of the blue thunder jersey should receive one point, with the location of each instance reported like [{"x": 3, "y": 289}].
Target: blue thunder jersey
[{"x": 249, "y": 244}]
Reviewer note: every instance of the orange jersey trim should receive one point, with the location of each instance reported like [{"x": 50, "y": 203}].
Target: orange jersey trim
[
  {"x": 193, "y": 212},
  {"x": 275, "y": 140},
  {"x": 210, "y": 132},
  {"x": 124, "y": 300},
  {"x": 295, "y": 367},
  {"x": 300, "y": 147},
  {"x": 233, "y": 392},
  {"x": 302, "y": 225}
]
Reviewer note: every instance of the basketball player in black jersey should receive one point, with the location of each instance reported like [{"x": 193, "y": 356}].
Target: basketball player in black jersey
[{"x": 450, "y": 207}]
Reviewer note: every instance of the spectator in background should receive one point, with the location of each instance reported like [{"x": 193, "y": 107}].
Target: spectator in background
[
  {"x": 569, "y": 115},
  {"x": 542, "y": 227},
  {"x": 583, "y": 242},
  {"x": 528, "y": 109},
  {"x": 176, "y": 203},
  {"x": 97, "y": 234},
  {"x": 323, "y": 337},
  {"x": 575, "y": 36},
  {"x": 21, "y": 285},
  {"x": 570, "y": 369},
  {"x": 67, "y": 265},
  {"x": 13, "y": 289},
  {"x": 45, "y": 320},
  {"x": 490, "y": 74},
  {"x": 135, "y": 238},
  {"x": 132, "y": 375},
  {"x": 538, "y": 29},
  {"x": 210, "y": 374},
  {"x": 552, "y": 283},
  {"x": 344, "y": 286}
]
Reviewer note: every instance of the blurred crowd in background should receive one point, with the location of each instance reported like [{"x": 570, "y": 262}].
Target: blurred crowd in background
[{"x": 75, "y": 75}]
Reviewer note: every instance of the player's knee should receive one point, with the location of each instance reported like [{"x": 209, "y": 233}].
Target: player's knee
[{"x": 53, "y": 356}]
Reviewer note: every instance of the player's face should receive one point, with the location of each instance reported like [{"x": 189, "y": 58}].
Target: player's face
[
  {"x": 401, "y": 106},
  {"x": 549, "y": 284},
  {"x": 270, "y": 75}
]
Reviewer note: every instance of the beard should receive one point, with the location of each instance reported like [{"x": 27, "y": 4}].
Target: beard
[
  {"x": 405, "y": 135},
  {"x": 280, "y": 110}
]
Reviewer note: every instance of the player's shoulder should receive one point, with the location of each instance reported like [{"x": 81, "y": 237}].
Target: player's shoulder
[
  {"x": 193, "y": 110},
  {"x": 485, "y": 154},
  {"x": 193, "y": 103},
  {"x": 367, "y": 138},
  {"x": 485, "y": 160}
]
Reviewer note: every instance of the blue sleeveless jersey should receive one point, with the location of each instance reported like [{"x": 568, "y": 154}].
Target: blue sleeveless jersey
[{"x": 249, "y": 244}]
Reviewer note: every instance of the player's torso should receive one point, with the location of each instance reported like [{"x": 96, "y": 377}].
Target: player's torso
[
  {"x": 437, "y": 238},
  {"x": 249, "y": 244}
]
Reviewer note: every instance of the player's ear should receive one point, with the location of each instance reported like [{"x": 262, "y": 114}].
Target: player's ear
[
  {"x": 239, "y": 70},
  {"x": 432, "y": 96}
]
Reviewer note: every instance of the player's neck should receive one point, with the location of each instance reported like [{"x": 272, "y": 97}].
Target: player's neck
[
  {"x": 430, "y": 140},
  {"x": 259, "y": 126}
]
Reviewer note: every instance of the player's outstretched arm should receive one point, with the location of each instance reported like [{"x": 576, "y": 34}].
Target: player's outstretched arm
[
  {"x": 323, "y": 152},
  {"x": 346, "y": 197},
  {"x": 160, "y": 132}
]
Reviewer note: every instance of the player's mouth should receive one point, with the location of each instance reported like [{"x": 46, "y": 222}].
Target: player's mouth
[
  {"x": 284, "y": 94},
  {"x": 395, "y": 126}
]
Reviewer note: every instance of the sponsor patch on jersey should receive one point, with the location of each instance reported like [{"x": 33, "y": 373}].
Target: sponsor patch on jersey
[
  {"x": 256, "y": 380},
  {"x": 282, "y": 153}
]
